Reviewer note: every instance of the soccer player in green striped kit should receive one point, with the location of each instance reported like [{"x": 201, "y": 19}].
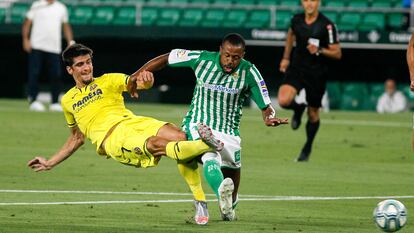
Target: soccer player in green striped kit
[{"x": 224, "y": 81}]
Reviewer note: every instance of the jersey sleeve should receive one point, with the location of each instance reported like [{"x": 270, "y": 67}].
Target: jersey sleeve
[
  {"x": 183, "y": 58},
  {"x": 70, "y": 119},
  {"x": 118, "y": 81},
  {"x": 65, "y": 15},
  {"x": 30, "y": 13},
  {"x": 257, "y": 88},
  {"x": 332, "y": 33}
]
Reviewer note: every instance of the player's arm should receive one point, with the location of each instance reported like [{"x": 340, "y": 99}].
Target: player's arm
[
  {"x": 74, "y": 141},
  {"x": 410, "y": 61},
  {"x": 333, "y": 51},
  {"x": 139, "y": 81},
  {"x": 284, "y": 63},
  {"x": 26, "y": 35},
  {"x": 68, "y": 33},
  {"x": 269, "y": 117}
]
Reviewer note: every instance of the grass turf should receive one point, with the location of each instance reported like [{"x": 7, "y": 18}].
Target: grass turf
[{"x": 356, "y": 154}]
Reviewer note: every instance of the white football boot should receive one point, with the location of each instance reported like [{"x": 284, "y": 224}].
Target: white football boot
[
  {"x": 201, "y": 212},
  {"x": 225, "y": 191}
]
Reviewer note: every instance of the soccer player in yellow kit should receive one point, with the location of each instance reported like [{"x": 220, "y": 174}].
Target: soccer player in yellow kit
[{"x": 95, "y": 109}]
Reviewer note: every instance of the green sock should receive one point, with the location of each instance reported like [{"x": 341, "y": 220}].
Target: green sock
[{"x": 213, "y": 174}]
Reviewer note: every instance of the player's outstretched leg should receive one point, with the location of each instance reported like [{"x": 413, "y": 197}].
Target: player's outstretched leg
[
  {"x": 201, "y": 212},
  {"x": 225, "y": 191},
  {"x": 297, "y": 116},
  {"x": 206, "y": 135}
]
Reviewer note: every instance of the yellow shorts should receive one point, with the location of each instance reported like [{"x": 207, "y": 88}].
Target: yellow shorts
[{"x": 126, "y": 144}]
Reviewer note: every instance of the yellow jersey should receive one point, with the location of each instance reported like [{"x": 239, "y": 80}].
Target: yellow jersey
[{"x": 97, "y": 107}]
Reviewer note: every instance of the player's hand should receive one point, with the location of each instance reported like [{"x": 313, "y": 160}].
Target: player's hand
[
  {"x": 39, "y": 164},
  {"x": 26, "y": 46},
  {"x": 284, "y": 64},
  {"x": 312, "y": 48},
  {"x": 273, "y": 122},
  {"x": 145, "y": 80},
  {"x": 412, "y": 85}
]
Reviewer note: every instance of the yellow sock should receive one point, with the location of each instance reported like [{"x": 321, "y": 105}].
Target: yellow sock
[
  {"x": 184, "y": 150},
  {"x": 191, "y": 175}
]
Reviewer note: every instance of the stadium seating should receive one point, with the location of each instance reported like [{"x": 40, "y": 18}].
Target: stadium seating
[
  {"x": 209, "y": 13},
  {"x": 103, "y": 15},
  {"x": 125, "y": 16},
  {"x": 289, "y": 2},
  {"x": 335, "y": 3},
  {"x": 358, "y": 3},
  {"x": 148, "y": 16},
  {"x": 381, "y": 4},
  {"x": 18, "y": 12},
  {"x": 332, "y": 15},
  {"x": 267, "y": 2},
  {"x": 235, "y": 18},
  {"x": 213, "y": 18},
  {"x": 191, "y": 17},
  {"x": 179, "y": 1},
  {"x": 223, "y": 2},
  {"x": 349, "y": 21},
  {"x": 258, "y": 19},
  {"x": 353, "y": 96},
  {"x": 334, "y": 94},
  {"x": 283, "y": 19},
  {"x": 81, "y": 14},
  {"x": 372, "y": 21},
  {"x": 168, "y": 16},
  {"x": 396, "y": 20},
  {"x": 246, "y": 2},
  {"x": 2, "y": 14}
]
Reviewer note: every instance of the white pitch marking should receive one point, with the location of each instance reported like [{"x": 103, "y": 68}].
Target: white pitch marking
[{"x": 242, "y": 198}]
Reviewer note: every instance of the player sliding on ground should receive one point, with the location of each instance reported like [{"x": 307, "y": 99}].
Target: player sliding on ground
[{"x": 95, "y": 109}]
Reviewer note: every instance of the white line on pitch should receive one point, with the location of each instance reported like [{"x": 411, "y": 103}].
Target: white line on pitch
[{"x": 282, "y": 198}]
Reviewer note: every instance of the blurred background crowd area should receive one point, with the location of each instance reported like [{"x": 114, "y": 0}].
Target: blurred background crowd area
[{"x": 126, "y": 33}]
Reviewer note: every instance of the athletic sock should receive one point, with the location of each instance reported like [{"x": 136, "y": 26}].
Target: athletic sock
[
  {"x": 311, "y": 130},
  {"x": 213, "y": 175},
  {"x": 189, "y": 171},
  {"x": 184, "y": 150}
]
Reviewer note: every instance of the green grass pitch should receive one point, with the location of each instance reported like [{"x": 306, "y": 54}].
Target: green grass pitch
[{"x": 358, "y": 159}]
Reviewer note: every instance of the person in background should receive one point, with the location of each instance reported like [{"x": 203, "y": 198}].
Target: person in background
[
  {"x": 42, "y": 37},
  {"x": 316, "y": 41},
  {"x": 392, "y": 100}
]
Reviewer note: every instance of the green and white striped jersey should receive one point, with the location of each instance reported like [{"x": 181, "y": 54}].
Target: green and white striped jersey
[{"x": 218, "y": 96}]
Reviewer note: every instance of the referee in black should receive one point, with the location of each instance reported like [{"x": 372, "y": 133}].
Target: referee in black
[{"x": 316, "y": 42}]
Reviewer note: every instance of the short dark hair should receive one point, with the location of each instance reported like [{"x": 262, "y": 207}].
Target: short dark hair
[
  {"x": 73, "y": 51},
  {"x": 234, "y": 39}
]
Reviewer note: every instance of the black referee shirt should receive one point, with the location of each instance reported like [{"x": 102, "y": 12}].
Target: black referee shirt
[{"x": 322, "y": 31}]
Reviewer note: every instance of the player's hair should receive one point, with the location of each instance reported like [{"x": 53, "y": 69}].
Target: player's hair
[
  {"x": 73, "y": 51},
  {"x": 234, "y": 39}
]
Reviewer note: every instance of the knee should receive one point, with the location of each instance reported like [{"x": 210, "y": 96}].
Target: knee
[
  {"x": 155, "y": 145},
  {"x": 313, "y": 114},
  {"x": 284, "y": 101},
  {"x": 181, "y": 136}
]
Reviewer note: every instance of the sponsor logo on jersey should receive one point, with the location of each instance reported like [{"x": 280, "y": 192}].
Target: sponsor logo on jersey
[
  {"x": 181, "y": 53},
  {"x": 221, "y": 88},
  {"x": 138, "y": 151},
  {"x": 263, "y": 87},
  {"x": 235, "y": 75},
  {"x": 93, "y": 87},
  {"x": 90, "y": 98}
]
